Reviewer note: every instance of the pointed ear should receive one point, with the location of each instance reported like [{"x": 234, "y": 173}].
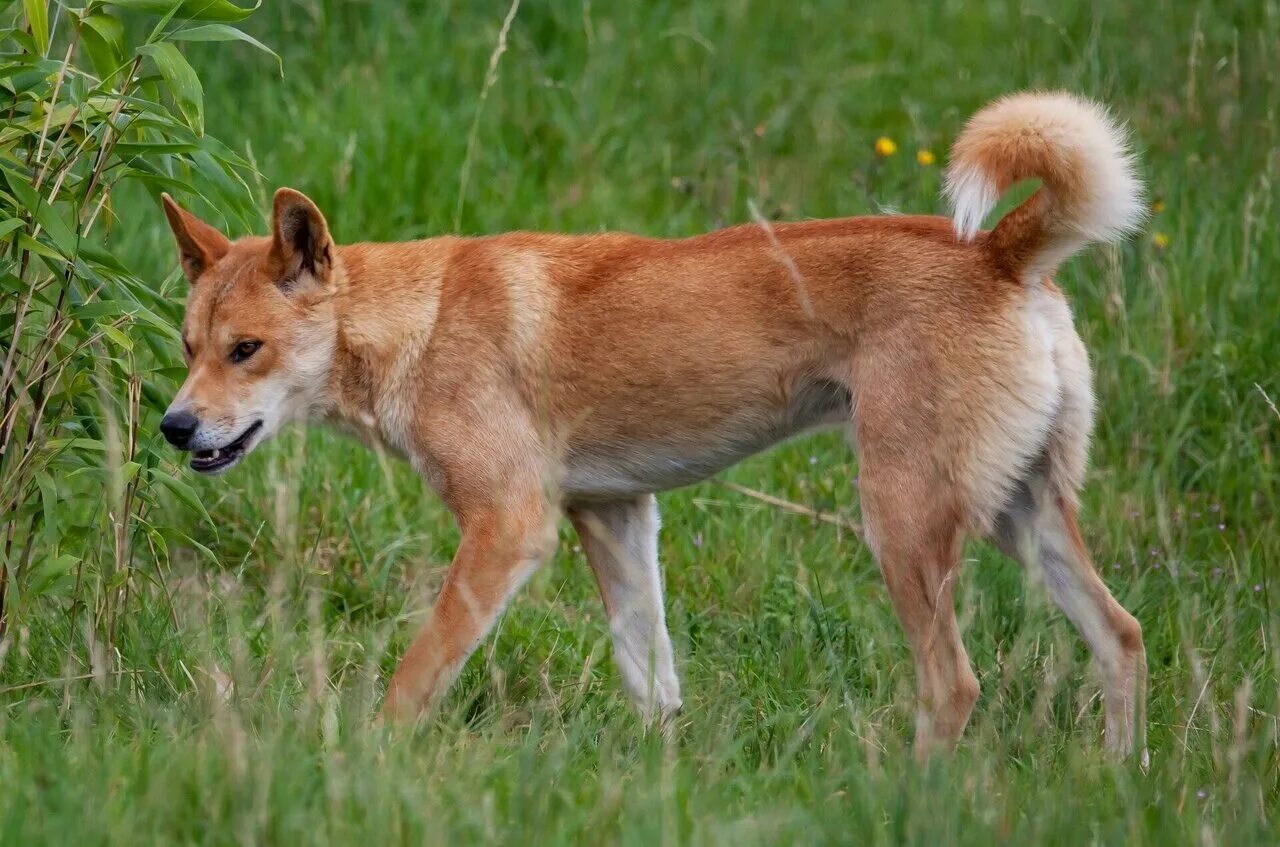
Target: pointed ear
[
  {"x": 300, "y": 239},
  {"x": 200, "y": 246}
]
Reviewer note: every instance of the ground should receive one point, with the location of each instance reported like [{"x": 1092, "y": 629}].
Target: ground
[{"x": 239, "y": 708}]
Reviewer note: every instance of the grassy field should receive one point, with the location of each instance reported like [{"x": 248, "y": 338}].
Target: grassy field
[{"x": 235, "y": 703}]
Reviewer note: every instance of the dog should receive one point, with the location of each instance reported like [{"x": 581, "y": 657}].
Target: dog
[{"x": 530, "y": 375}]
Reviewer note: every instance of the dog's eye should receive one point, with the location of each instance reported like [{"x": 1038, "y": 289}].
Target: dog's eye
[{"x": 244, "y": 350}]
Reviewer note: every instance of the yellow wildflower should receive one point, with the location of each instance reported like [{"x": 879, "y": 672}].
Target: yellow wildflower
[
  {"x": 925, "y": 157},
  {"x": 1160, "y": 239},
  {"x": 885, "y": 146},
  {"x": 1157, "y": 206}
]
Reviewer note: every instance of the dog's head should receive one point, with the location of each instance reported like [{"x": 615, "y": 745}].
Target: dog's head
[{"x": 259, "y": 331}]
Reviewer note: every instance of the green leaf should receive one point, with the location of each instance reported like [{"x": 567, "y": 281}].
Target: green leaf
[
  {"x": 49, "y": 502},
  {"x": 123, "y": 341},
  {"x": 145, "y": 173},
  {"x": 25, "y": 41},
  {"x": 184, "y": 492},
  {"x": 57, "y": 444},
  {"x": 182, "y": 81},
  {"x": 103, "y": 39},
  {"x": 174, "y": 373},
  {"x": 9, "y": 226},
  {"x": 128, "y": 471},
  {"x": 127, "y": 150},
  {"x": 158, "y": 539},
  {"x": 45, "y": 68},
  {"x": 46, "y": 574},
  {"x": 209, "y": 554},
  {"x": 222, "y": 32},
  {"x": 13, "y": 284},
  {"x": 38, "y": 16},
  {"x": 57, "y": 229},
  {"x": 102, "y": 259},
  {"x": 26, "y": 242},
  {"x": 167, "y": 328},
  {"x": 158, "y": 29},
  {"x": 103, "y": 308},
  {"x": 196, "y": 10},
  {"x": 152, "y": 116},
  {"x": 38, "y": 123}
]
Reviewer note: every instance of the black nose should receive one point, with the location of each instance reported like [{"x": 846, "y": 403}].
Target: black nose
[{"x": 178, "y": 427}]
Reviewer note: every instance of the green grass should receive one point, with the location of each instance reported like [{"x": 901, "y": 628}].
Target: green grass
[{"x": 234, "y": 704}]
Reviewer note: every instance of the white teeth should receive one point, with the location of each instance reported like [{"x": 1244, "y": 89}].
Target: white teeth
[{"x": 215, "y": 454}]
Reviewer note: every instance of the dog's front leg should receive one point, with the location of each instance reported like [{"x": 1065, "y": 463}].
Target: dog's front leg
[{"x": 501, "y": 546}]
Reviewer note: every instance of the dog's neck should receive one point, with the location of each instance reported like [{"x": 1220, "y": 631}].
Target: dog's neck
[{"x": 385, "y": 303}]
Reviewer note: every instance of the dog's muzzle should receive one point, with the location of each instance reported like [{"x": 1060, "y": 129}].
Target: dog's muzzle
[{"x": 221, "y": 458}]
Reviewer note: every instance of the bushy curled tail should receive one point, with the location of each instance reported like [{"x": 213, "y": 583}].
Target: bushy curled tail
[{"x": 1089, "y": 191}]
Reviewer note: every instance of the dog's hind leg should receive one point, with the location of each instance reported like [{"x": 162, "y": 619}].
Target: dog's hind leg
[
  {"x": 1040, "y": 530},
  {"x": 620, "y": 539},
  {"x": 915, "y": 529}
]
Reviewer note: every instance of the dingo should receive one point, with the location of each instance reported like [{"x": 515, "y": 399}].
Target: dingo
[{"x": 526, "y": 373}]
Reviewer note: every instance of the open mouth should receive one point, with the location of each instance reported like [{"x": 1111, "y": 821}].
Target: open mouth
[{"x": 215, "y": 461}]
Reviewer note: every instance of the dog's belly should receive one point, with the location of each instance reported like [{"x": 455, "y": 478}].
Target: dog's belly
[{"x": 688, "y": 456}]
